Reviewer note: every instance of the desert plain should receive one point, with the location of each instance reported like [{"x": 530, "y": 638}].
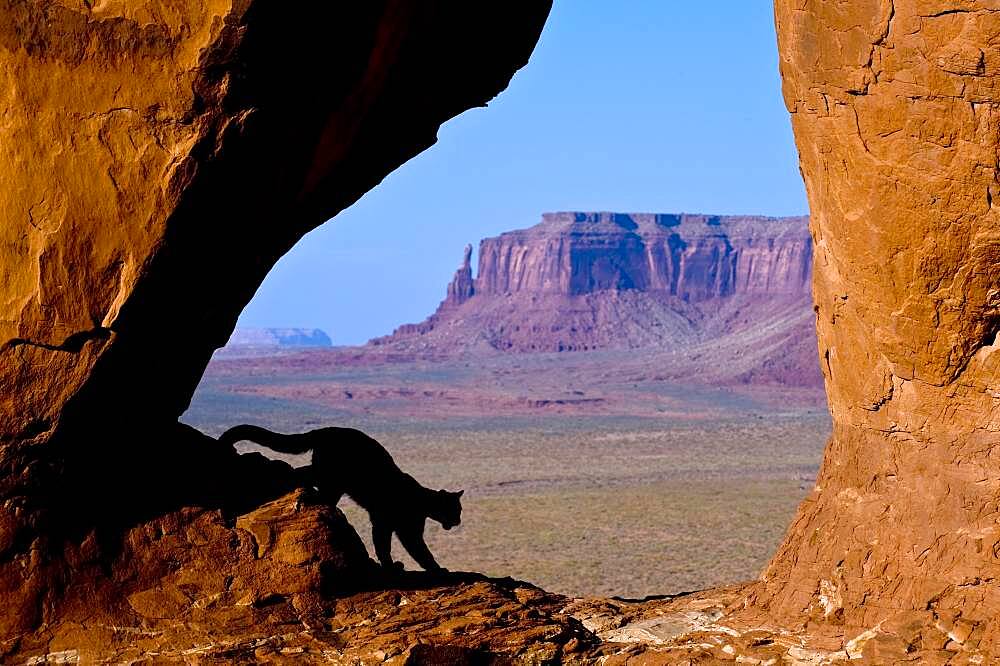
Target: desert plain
[{"x": 583, "y": 473}]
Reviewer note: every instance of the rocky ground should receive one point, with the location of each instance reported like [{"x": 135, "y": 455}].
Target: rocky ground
[
  {"x": 411, "y": 618},
  {"x": 462, "y": 618}
]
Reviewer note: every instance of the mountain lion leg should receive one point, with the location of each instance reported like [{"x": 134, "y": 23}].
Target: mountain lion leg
[
  {"x": 382, "y": 540},
  {"x": 412, "y": 538}
]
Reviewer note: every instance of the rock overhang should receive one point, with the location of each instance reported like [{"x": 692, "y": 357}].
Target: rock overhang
[{"x": 157, "y": 161}]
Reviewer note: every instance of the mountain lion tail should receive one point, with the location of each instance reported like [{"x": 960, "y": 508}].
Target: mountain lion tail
[{"x": 272, "y": 440}]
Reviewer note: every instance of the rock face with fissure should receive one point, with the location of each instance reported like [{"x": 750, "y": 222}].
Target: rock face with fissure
[
  {"x": 897, "y": 120},
  {"x": 157, "y": 159}
]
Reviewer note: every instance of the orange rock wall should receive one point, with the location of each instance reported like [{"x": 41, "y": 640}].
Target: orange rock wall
[
  {"x": 156, "y": 159},
  {"x": 895, "y": 111}
]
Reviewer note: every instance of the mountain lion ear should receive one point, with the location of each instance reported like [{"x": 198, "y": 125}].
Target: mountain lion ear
[{"x": 459, "y": 493}]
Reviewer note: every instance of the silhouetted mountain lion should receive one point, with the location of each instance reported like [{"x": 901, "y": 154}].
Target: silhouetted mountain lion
[{"x": 348, "y": 462}]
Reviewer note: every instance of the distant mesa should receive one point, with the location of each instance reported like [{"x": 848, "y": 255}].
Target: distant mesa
[
  {"x": 581, "y": 281},
  {"x": 689, "y": 257},
  {"x": 291, "y": 338}
]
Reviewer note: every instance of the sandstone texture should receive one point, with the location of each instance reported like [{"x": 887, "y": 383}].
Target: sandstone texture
[
  {"x": 156, "y": 159},
  {"x": 199, "y": 576},
  {"x": 466, "y": 620},
  {"x": 895, "y": 112},
  {"x": 700, "y": 285}
]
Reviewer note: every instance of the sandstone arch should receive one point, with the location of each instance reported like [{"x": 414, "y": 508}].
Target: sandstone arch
[{"x": 149, "y": 150}]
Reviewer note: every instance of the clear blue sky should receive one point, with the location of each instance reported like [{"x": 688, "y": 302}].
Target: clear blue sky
[{"x": 638, "y": 105}]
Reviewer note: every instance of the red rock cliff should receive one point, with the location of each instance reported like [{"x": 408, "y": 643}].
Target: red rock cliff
[{"x": 693, "y": 257}]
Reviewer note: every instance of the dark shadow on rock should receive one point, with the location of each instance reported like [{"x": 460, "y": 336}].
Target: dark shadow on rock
[
  {"x": 424, "y": 580},
  {"x": 453, "y": 655},
  {"x": 655, "y": 597},
  {"x": 140, "y": 475}
]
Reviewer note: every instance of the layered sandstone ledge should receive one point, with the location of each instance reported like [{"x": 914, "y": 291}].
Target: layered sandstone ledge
[{"x": 692, "y": 257}]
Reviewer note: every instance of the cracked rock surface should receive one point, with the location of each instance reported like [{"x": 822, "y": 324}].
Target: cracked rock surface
[{"x": 897, "y": 121}]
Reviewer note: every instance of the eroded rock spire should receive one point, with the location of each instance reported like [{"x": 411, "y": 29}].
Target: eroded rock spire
[{"x": 462, "y": 286}]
